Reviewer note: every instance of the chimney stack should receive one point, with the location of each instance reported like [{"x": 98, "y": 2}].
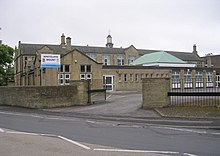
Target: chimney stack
[
  {"x": 63, "y": 40},
  {"x": 68, "y": 43}
]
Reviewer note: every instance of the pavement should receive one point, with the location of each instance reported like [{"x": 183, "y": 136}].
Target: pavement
[{"x": 15, "y": 143}]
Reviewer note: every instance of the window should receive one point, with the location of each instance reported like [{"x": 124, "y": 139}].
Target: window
[
  {"x": 209, "y": 82},
  {"x": 131, "y": 59},
  {"x": 67, "y": 79},
  {"x": 64, "y": 75},
  {"x": 175, "y": 77},
  {"x": 85, "y": 72},
  {"x": 199, "y": 77},
  {"x": 67, "y": 68},
  {"x": 125, "y": 77},
  {"x": 85, "y": 69},
  {"x": 188, "y": 79},
  {"x": 136, "y": 77},
  {"x": 82, "y": 69},
  {"x": 199, "y": 80},
  {"x": 120, "y": 60},
  {"x": 88, "y": 69},
  {"x": 88, "y": 76},
  {"x": 82, "y": 76},
  {"x": 106, "y": 60},
  {"x": 60, "y": 79}
]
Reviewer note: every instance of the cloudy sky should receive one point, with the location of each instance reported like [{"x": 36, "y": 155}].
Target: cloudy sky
[{"x": 147, "y": 24}]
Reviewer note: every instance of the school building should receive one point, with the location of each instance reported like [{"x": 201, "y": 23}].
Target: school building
[{"x": 116, "y": 69}]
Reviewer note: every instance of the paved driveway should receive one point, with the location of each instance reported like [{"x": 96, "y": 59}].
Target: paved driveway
[{"x": 117, "y": 104}]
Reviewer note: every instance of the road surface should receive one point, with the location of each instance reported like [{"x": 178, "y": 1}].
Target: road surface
[{"x": 110, "y": 136}]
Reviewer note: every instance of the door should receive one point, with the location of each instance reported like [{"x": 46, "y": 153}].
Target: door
[
  {"x": 108, "y": 82},
  {"x": 218, "y": 80}
]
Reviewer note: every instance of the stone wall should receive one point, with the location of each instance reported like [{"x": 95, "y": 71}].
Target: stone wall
[
  {"x": 46, "y": 96},
  {"x": 154, "y": 92}
]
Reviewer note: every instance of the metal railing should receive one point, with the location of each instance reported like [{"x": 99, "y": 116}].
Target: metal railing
[{"x": 195, "y": 97}]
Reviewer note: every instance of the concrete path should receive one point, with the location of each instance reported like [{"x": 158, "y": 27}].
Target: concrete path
[{"x": 117, "y": 104}]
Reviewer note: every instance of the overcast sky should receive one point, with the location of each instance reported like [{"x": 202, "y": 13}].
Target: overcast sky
[{"x": 147, "y": 24}]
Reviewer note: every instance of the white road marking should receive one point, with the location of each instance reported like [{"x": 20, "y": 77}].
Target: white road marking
[
  {"x": 1, "y": 130},
  {"x": 186, "y": 130},
  {"x": 96, "y": 149},
  {"x": 25, "y": 133},
  {"x": 19, "y": 114},
  {"x": 188, "y": 154},
  {"x": 38, "y": 116},
  {"x": 89, "y": 121},
  {"x": 108, "y": 97},
  {"x": 74, "y": 142},
  {"x": 135, "y": 151}
]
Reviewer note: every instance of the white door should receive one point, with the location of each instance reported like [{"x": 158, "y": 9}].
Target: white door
[{"x": 108, "y": 82}]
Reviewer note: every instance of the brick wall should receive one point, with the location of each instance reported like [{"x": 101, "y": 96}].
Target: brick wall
[{"x": 46, "y": 96}]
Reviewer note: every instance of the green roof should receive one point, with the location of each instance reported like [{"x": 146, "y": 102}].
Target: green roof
[{"x": 157, "y": 57}]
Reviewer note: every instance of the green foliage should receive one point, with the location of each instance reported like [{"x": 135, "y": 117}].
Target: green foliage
[{"x": 6, "y": 59}]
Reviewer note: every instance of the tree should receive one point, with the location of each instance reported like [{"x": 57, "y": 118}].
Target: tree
[{"x": 6, "y": 66}]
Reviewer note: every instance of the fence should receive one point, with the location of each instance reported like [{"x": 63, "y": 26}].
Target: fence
[{"x": 195, "y": 97}]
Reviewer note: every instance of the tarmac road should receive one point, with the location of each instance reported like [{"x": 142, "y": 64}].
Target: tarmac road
[{"x": 120, "y": 138}]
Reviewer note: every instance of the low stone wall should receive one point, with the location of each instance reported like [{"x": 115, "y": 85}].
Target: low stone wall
[
  {"x": 154, "y": 92},
  {"x": 46, "y": 96}
]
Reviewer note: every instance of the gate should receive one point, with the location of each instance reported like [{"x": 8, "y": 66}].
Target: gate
[{"x": 97, "y": 95}]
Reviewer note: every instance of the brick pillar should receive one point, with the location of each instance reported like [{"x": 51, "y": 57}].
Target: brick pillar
[
  {"x": 83, "y": 96},
  {"x": 154, "y": 92}
]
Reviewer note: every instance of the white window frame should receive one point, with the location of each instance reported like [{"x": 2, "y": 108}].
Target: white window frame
[
  {"x": 120, "y": 60},
  {"x": 176, "y": 79},
  {"x": 67, "y": 79},
  {"x": 88, "y": 76},
  {"x": 188, "y": 79},
  {"x": 82, "y": 76},
  {"x": 61, "y": 78},
  {"x": 106, "y": 59}
]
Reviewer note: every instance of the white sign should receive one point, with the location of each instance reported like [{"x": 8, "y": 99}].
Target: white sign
[{"x": 50, "y": 61}]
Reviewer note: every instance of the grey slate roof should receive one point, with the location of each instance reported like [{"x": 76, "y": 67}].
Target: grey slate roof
[
  {"x": 31, "y": 49},
  {"x": 101, "y": 50}
]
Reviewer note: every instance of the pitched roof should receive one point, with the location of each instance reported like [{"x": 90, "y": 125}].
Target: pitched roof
[
  {"x": 31, "y": 49},
  {"x": 157, "y": 57},
  {"x": 185, "y": 56},
  {"x": 104, "y": 50}
]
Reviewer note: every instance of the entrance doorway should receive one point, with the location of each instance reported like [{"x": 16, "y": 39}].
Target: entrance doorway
[
  {"x": 109, "y": 82},
  {"x": 218, "y": 80}
]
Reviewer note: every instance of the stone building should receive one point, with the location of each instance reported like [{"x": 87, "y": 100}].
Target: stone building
[{"x": 107, "y": 67}]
